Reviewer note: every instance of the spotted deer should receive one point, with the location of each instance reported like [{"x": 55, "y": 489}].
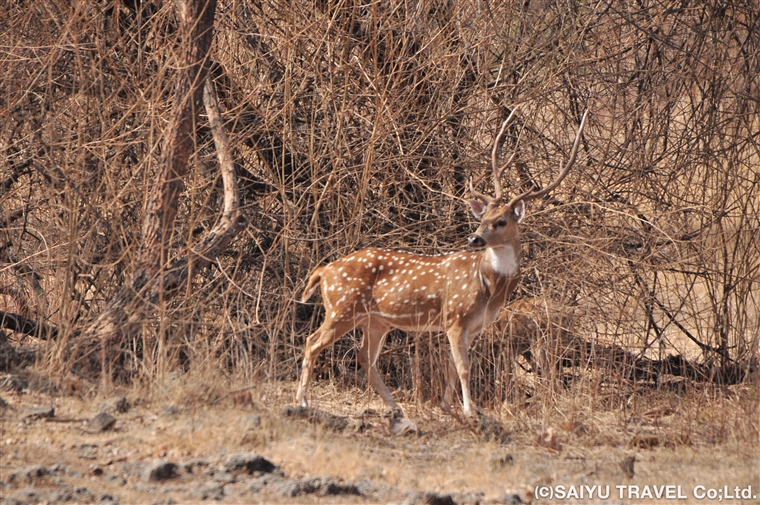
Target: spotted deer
[{"x": 458, "y": 293}]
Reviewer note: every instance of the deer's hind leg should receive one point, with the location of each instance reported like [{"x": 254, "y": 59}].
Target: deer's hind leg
[
  {"x": 372, "y": 342},
  {"x": 326, "y": 335}
]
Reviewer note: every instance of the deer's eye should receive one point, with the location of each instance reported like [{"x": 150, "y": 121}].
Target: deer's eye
[{"x": 501, "y": 223}]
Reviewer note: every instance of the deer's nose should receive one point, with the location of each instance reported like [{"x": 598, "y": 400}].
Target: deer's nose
[{"x": 476, "y": 241}]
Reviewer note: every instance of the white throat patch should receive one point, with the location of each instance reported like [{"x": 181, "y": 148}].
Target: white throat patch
[{"x": 503, "y": 260}]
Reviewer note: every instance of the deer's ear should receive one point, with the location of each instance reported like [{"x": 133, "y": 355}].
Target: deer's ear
[
  {"x": 478, "y": 208},
  {"x": 519, "y": 211}
]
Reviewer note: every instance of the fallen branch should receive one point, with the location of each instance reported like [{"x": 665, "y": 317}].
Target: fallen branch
[
  {"x": 27, "y": 326},
  {"x": 641, "y": 368}
]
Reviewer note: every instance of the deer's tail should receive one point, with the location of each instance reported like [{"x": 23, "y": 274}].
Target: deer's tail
[{"x": 312, "y": 285}]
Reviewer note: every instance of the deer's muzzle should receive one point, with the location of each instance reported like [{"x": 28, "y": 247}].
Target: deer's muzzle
[{"x": 476, "y": 241}]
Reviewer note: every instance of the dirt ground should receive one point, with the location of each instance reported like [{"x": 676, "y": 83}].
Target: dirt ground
[{"x": 172, "y": 446}]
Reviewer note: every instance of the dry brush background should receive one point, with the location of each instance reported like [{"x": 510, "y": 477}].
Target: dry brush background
[{"x": 359, "y": 123}]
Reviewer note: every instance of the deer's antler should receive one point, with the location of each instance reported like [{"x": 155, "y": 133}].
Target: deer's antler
[
  {"x": 496, "y": 170},
  {"x": 563, "y": 169}
]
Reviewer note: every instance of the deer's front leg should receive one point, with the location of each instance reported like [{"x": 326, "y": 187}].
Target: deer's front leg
[
  {"x": 451, "y": 383},
  {"x": 458, "y": 338}
]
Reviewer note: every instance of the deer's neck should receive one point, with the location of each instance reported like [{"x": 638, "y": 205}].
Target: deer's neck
[
  {"x": 499, "y": 271},
  {"x": 499, "y": 268},
  {"x": 501, "y": 261}
]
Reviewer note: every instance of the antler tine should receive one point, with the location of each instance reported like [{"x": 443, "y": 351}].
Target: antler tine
[
  {"x": 495, "y": 156},
  {"x": 563, "y": 170},
  {"x": 478, "y": 195}
]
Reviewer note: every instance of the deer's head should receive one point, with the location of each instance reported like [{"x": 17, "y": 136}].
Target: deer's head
[{"x": 498, "y": 220}]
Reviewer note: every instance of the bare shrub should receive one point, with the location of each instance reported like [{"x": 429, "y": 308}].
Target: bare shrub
[{"x": 359, "y": 124}]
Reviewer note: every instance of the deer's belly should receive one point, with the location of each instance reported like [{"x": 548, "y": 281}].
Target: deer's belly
[
  {"x": 411, "y": 321},
  {"x": 476, "y": 322}
]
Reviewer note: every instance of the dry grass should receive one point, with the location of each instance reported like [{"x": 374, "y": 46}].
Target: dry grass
[{"x": 692, "y": 439}]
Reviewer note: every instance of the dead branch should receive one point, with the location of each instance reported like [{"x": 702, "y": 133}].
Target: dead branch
[{"x": 27, "y": 326}]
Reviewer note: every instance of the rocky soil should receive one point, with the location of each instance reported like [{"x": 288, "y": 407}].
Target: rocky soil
[{"x": 250, "y": 446}]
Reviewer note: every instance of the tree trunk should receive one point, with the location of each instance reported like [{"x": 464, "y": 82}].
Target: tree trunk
[{"x": 155, "y": 278}]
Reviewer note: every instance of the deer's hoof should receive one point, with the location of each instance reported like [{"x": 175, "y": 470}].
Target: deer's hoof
[
  {"x": 394, "y": 413},
  {"x": 400, "y": 426}
]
